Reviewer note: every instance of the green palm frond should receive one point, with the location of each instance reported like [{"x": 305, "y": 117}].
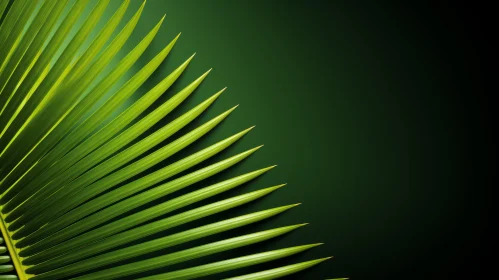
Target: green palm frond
[{"x": 69, "y": 163}]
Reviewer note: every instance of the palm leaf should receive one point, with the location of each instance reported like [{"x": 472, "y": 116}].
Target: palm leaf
[{"x": 76, "y": 196}]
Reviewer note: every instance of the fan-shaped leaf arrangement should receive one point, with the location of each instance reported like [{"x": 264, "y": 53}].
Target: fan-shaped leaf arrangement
[{"x": 68, "y": 175}]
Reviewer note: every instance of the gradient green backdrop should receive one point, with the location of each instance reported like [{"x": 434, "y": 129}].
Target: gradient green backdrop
[{"x": 365, "y": 107}]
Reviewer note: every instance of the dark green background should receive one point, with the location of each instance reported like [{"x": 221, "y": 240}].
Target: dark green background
[{"x": 372, "y": 112}]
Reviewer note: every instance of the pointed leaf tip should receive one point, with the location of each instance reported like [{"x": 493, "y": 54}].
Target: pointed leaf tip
[
  {"x": 143, "y": 4},
  {"x": 176, "y": 37},
  {"x": 287, "y": 207},
  {"x": 158, "y": 25},
  {"x": 206, "y": 73},
  {"x": 270, "y": 167},
  {"x": 226, "y": 113},
  {"x": 254, "y": 150},
  {"x": 247, "y": 129},
  {"x": 189, "y": 59},
  {"x": 273, "y": 188},
  {"x": 232, "y": 109}
]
